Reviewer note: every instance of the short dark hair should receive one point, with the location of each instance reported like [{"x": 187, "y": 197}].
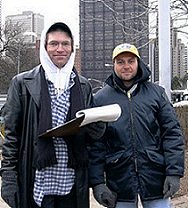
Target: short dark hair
[{"x": 60, "y": 26}]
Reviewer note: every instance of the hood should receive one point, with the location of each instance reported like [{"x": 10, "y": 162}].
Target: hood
[
  {"x": 59, "y": 77},
  {"x": 143, "y": 75}
]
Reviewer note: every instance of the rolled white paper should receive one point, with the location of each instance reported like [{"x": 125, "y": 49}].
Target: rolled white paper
[{"x": 107, "y": 113}]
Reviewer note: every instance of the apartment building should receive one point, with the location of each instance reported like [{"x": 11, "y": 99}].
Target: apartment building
[
  {"x": 31, "y": 23},
  {"x": 105, "y": 24}
]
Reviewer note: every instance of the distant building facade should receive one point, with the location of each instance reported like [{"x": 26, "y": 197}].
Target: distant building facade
[
  {"x": 154, "y": 60},
  {"x": 179, "y": 66},
  {"x": 30, "y": 22},
  {"x": 178, "y": 53},
  {"x": 105, "y": 24},
  {"x": 0, "y": 14},
  {"x": 186, "y": 58}
]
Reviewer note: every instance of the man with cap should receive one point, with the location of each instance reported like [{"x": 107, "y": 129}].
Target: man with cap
[
  {"x": 47, "y": 172},
  {"x": 141, "y": 155}
]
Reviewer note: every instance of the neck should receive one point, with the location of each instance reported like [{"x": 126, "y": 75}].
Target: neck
[{"x": 128, "y": 84}]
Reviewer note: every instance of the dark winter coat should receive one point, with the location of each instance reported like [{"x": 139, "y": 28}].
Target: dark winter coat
[
  {"x": 143, "y": 146},
  {"x": 21, "y": 123}
]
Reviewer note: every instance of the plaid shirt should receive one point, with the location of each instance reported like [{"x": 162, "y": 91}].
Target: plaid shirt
[{"x": 58, "y": 179}]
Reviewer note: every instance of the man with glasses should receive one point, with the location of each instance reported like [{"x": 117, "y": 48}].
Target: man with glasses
[{"x": 47, "y": 172}]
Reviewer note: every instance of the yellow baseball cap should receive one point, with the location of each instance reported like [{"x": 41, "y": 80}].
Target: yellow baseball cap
[{"x": 125, "y": 47}]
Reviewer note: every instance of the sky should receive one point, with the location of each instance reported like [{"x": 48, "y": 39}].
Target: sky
[{"x": 54, "y": 10}]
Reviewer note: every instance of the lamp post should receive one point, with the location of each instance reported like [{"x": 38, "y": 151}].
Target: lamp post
[
  {"x": 96, "y": 81},
  {"x": 96, "y": 84},
  {"x": 164, "y": 46},
  {"x": 18, "y": 66},
  {"x": 32, "y": 34},
  {"x": 108, "y": 65}
]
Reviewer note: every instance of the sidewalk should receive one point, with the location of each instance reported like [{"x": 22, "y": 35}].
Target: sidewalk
[{"x": 179, "y": 202}]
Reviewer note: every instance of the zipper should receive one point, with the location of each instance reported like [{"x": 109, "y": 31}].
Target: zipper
[
  {"x": 129, "y": 93},
  {"x": 133, "y": 132}
]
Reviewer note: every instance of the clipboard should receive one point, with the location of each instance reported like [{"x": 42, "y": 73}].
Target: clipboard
[
  {"x": 107, "y": 113},
  {"x": 67, "y": 129}
]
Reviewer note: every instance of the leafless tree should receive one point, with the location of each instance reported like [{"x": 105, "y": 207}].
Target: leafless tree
[
  {"x": 179, "y": 17},
  {"x": 10, "y": 33},
  {"x": 15, "y": 55}
]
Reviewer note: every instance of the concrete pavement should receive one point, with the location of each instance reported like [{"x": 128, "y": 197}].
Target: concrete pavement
[{"x": 179, "y": 202}]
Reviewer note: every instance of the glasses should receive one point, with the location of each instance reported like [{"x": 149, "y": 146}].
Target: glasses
[{"x": 56, "y": 44}]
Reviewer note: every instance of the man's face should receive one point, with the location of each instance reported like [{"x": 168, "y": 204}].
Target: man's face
[
  {"x": 59, "y": 47},
  {"x": 126, "y": 66}
]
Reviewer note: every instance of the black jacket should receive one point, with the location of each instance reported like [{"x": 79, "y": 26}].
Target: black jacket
[
  {"x": 143, "y": 146},
  {"x": 21, "y": 126}
]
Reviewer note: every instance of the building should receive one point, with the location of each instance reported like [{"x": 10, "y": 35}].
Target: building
[
  {"x": 181, "y": 59},
  {"x": 154, "y": 59},
  {"x": 31, "y": 23},
  {"x": 77, "y": 62},
  {"x": 186, "y": 58},
  {"x": 0, "y": 14},
  {"x": 105, "y": 24},
  {"x": 179, "y": 54}
]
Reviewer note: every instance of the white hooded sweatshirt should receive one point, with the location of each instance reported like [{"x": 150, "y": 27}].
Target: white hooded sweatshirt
[{"x": 58, "y": 76}]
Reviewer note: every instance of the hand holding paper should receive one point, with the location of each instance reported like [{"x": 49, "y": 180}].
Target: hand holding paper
[{"x": 107, "y": 113}]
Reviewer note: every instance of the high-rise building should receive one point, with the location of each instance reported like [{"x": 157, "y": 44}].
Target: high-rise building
[
  {"x": 178, "y": 55},
  {"x": 105, "y": 24},
  {"x": 186, "y": 58},
  {"x": 154, "y": 60},
  {"x": 31, "y": 23},
  {"x": 178, "y": 48},
  {"x": 0, "y": 14}
]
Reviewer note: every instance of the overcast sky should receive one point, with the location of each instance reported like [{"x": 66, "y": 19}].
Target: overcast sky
[{"x": 54, "y": 10}]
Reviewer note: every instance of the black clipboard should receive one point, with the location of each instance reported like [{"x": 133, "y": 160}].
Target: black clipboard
[{"x": 67, "y": 129}]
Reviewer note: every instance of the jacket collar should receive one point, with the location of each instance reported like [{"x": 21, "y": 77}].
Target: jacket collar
[{"x": 32, "y": 82}]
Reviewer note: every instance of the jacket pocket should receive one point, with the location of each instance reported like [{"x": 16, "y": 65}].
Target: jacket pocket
[
  {"x": 117, "y": 160},
  {"x": 155, "y": 157},
  {"x": 114, "y": 158},
  {"x": 118, "y": 172}
]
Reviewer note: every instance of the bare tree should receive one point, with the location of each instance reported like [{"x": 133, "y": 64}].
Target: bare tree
[
  {"x": 15, "y": 54},
  {"x": 10, "y": 33},
  {"x": 6, "y": 73},
  {"x": 179, "y": 17}
]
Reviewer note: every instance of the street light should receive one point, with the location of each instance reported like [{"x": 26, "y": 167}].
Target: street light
[
  {"x": 164, "y": 46},
  {"x": 18, "y": 66},
  {"x": 108, "y": 65},
  {"x": 18, "y": 41},
  {"x": 32, "y": 34},
  {"x": 96, "y": 81},
  {"x": 96, "y": 84}
]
